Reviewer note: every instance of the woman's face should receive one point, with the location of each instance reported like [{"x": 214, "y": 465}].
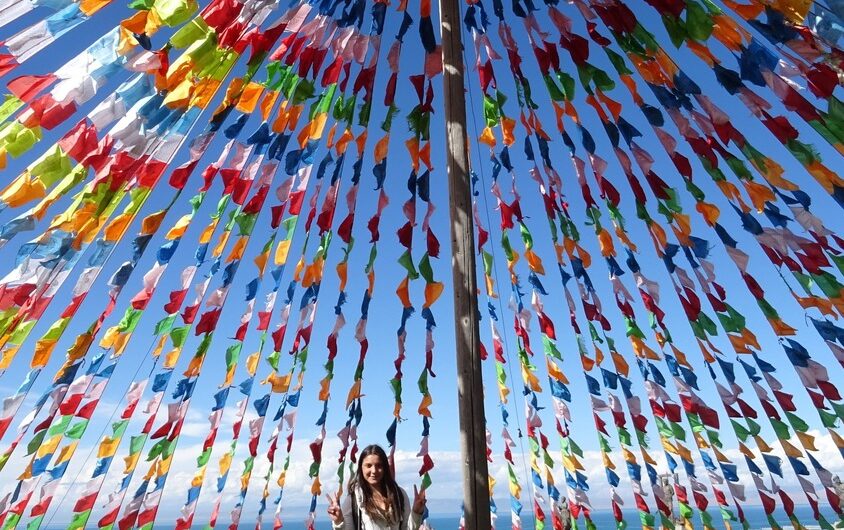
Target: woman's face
[{"x": 373, "y": 470}]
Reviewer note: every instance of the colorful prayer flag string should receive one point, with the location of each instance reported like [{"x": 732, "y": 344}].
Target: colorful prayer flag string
[
  {"x": 657, "y": 237},
  {"x": 354, "y": 404},
  {"x": 363, "y": 87},
  {"x": 97, "y": 182}
]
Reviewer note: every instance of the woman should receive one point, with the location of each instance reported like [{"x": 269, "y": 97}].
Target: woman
[{"x": 375, "y": 501}]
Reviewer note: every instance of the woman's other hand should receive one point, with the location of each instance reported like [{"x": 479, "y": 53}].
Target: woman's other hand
[
  {"x": 419, "y": 501},
  {"x": 334, "y": 511}
]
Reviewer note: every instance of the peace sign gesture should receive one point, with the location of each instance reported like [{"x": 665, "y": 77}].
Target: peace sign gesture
[
  {"x": 419, "y": 500},
  {"x": 334, "y": 511}
]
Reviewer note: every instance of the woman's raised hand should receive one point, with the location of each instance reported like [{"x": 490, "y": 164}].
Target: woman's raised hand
[
  {"x": 419, "y": 501},
  {"x": 334, "y": 511}
]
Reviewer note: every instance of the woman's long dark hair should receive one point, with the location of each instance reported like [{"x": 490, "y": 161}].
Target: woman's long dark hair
[{"x": 388, "y": 485}]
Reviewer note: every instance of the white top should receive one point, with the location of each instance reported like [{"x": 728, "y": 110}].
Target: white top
[{"x": 410, "y": 519}]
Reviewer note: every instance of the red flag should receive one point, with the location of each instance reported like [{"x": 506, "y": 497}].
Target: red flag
[
  {"x": 616, "y": 511},
  {"x": 176, "y": 299},
  {"x": 332, "y": 73},
  {"x": 822, "y": 80},
  {"x": 672, "y": 412},
  {"x": 432, "y": 244},
  {"x": 180, "y": 175},
  {"x": 345, "y": 228},
  {"x": 709, "y": 417},
  {"x": 600, "y": 424},
  {"x": 27, "y": 87},
  {"x": 546, "y": 325},
  {"x": 768, "y": 503},
  {"x": 85, "y": 503},
  {"x": 640, "y": 503},
  {"x": 220, "y": 13},
  {"x": 829, "y": 390},
  {"x": 7, "y": 63},
  {"x": 787, "y": 503},
  {"x": 700, "y": 500},
  {"x": 208, "y": 321},
  {"x": 747, "y": 410},
  {"x": 405, "y": 234},
  {"x": 49, "y": 113}
]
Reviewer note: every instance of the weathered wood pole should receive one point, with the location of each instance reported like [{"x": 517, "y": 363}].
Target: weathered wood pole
[{"x": 468, "y": 346}]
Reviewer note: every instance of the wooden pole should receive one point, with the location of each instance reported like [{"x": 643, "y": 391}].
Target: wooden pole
[{"x": 470, "y": 397}]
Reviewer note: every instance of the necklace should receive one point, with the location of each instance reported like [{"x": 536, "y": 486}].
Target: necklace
[
  {"x": 383, "y": 508},
  {"x": 380, "y": 499}
]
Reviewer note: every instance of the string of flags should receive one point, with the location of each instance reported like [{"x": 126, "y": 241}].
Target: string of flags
[{"x": 693, "y": 145}]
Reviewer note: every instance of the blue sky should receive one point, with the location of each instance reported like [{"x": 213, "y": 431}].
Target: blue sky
[{"x": 385, "y": 312}]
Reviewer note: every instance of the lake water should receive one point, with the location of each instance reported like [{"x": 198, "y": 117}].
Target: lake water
[{"x": 603, "y": 520}]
